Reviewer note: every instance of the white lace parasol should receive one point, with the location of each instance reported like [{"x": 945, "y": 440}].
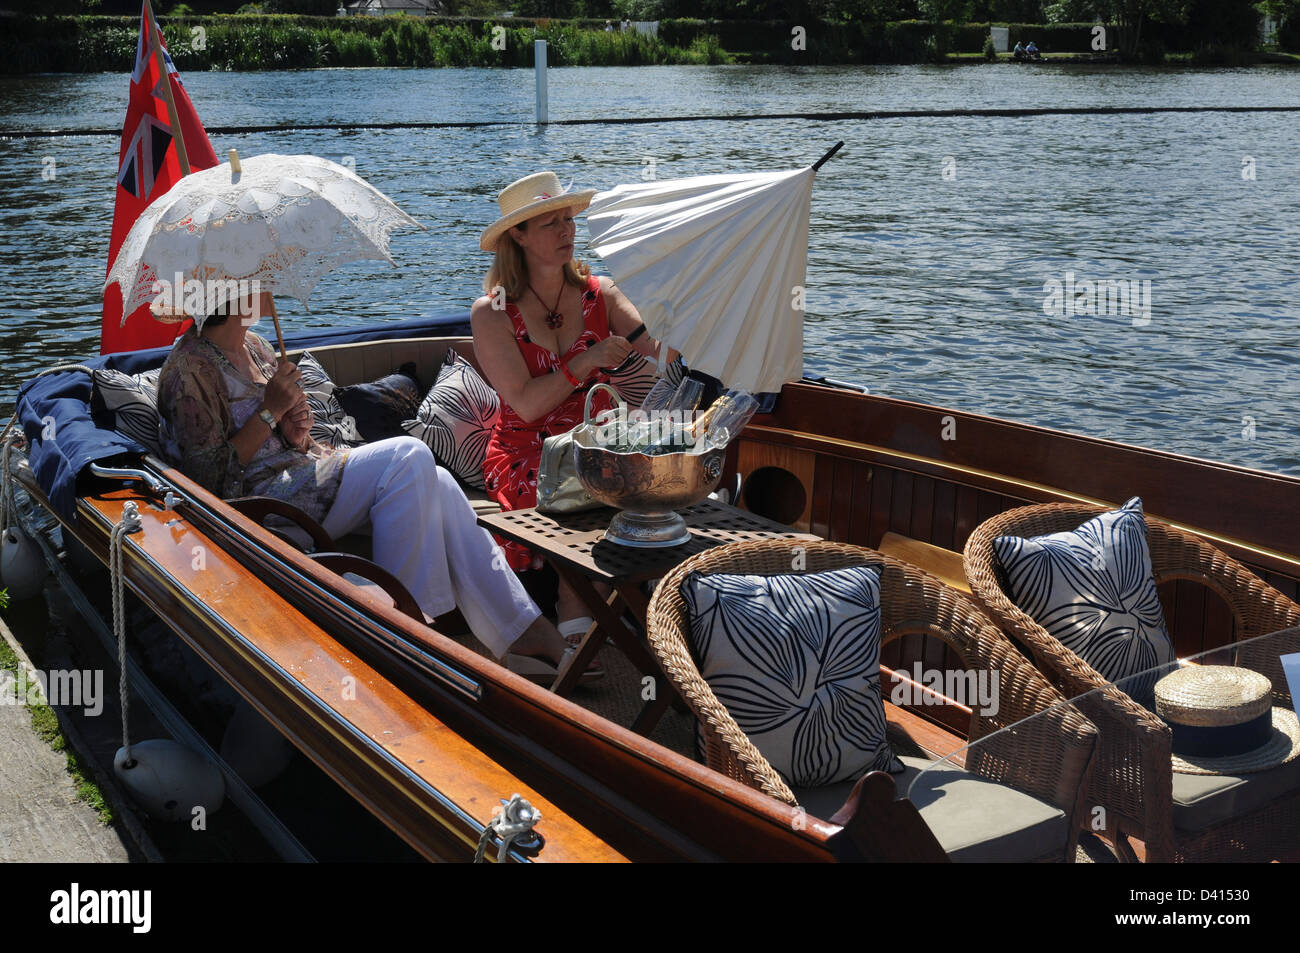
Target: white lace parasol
[{"x": 281, "y": 220}]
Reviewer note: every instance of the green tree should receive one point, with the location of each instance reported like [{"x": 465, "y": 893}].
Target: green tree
[
  {"x": 1130, "y": 16},
  {"x": 956, "y": 10}
]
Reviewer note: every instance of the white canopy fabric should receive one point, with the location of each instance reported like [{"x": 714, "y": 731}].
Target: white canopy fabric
[{"x": 715, "y": 264}]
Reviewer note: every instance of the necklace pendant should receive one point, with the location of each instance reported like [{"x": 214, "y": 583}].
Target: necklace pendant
[{"x": 554, "y": 320}]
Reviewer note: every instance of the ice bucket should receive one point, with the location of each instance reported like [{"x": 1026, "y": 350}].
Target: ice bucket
[{"x": 647, "y": 488}]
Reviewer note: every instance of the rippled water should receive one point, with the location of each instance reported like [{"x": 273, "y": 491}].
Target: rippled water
[{"x": 920, "y": 286}]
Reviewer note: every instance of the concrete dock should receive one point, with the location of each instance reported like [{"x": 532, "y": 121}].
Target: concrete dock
[{"x": 41, "y": 818}]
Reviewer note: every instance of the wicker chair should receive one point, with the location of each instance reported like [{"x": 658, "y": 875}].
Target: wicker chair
[
  {"x": 1051, "y": 756},
  {"x": 1132, "y": 777}
]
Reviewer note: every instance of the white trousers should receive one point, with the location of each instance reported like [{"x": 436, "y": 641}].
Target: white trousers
[{"x": 425, "y": 533}]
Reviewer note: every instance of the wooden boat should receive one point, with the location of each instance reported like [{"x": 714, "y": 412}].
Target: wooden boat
[{"x": 429, "y": 735}]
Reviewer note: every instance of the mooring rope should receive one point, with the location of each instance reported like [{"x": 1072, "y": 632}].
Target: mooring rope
[
  {"x": 875, "y": 114},
  {"x": 129, "y": 523}
]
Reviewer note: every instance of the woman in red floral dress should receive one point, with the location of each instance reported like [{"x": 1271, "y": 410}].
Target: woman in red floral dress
[{"x": 542, "y": 332}]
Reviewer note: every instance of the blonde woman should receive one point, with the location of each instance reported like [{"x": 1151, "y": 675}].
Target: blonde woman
[{"x": 543, "y": 330}]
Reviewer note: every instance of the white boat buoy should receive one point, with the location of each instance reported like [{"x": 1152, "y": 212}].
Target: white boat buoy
[
  {"x": 22, "y": 570},
  {"x": 169, "y": 780},
  {"x": 253, "y": 748}
]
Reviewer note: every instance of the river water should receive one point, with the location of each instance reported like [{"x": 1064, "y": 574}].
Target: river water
[{"x": 933, "y": 240}]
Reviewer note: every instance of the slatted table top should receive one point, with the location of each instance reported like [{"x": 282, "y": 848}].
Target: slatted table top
[{"x": 578, "y": 540}]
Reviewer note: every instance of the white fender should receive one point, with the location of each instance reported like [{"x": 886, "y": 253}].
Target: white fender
[
  {"x": 169, "y": 780},
  {"x": 253, "y": 748},
  {"x": 22, "y": 569}
]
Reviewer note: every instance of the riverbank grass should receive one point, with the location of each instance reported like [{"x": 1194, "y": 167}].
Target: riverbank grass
[{"x": 45, "y": 722}]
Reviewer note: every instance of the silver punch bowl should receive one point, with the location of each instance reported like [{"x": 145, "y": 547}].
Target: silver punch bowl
[{"x": 647, "y": 489}]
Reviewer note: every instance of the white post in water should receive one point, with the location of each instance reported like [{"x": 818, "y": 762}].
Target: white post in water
[{"x": 539, "y": 67}]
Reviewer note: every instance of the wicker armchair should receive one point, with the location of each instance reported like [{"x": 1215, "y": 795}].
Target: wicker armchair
[
  {"x": 1132, "y": 777},
  {"x": 1051, "y": 754}
]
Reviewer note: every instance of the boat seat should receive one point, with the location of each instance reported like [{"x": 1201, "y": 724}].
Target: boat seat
[
  {"x": 975, "y": 820},
  {"x": 1202, "y": 801},
  {"x": 944, "y": 564},
  {"x": 368, "y": 361}
]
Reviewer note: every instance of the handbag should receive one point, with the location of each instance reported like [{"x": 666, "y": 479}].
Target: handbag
[{"x": 558, "y": 488}]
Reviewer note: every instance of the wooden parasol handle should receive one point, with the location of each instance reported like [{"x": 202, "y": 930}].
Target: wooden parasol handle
[{"x": 279, "y": 336}]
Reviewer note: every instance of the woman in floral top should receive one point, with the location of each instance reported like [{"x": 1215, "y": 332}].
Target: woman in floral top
[{"x": 237, "y": 422}]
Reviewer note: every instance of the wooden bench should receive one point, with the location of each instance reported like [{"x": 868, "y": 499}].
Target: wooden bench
[{"x": 943, "y": 564}]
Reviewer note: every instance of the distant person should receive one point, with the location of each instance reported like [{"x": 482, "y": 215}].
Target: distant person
[
  {"x": 1031, "y": 50},
  {"x": 627, "y": 24},
  {"x": 609, "y": 27},
  {"x": 1019, "y": 52}
]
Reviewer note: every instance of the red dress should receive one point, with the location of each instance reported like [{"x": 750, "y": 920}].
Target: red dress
[{"x": 515, "y": 450}]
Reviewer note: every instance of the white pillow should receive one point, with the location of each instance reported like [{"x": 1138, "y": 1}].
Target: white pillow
[
  {"x": 456, "y": 419},
  {"x": 795, "y": 658},
  {"x": 133, "y": 400},
  {"x": 330, "y": 426},
  {"x": 1093, "y": 590}
]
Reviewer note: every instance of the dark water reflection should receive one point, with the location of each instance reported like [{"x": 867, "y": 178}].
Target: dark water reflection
[{"x": 921, "y": 286}]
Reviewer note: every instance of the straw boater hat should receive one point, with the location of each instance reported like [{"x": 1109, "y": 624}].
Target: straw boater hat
[
  {"x": 529, "y": 197},
  {"x": 1224, "y": 721}
]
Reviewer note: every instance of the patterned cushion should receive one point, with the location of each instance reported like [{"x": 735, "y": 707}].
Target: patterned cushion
[
  {"x": 1093, "y": 590},
  {"x": 796, "y": 660},
  {"x": 330, "y": 427},
  {"x": 456, "y": 419},
  {"x": 634, "y": 383},
  {"x": 133, "y": 401},
  {"x": 380, "y": 406}
]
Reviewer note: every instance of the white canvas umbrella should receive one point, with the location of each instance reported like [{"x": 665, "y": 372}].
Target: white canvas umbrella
[
  {"x": 284, "y": 221},
  {"x": 715, "y": 265}
]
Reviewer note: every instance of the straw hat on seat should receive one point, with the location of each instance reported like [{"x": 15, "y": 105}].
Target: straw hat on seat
[
  {"x": 529, "y": 197},
  {"x": 1224, "y": 721}
]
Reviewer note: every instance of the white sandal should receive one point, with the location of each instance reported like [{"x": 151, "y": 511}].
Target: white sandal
[{"x": 544, "y": 672}]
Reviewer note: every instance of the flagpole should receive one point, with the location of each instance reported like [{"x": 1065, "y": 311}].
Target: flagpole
[{"x": 178, "y": 135}]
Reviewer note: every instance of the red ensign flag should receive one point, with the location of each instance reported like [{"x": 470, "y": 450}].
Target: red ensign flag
[{"x": 147, "y": 168}]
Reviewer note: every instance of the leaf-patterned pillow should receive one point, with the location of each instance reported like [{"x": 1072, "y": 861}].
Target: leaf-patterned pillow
[
  {"x": 330, "y": 425},
  {"x": 1092, "y": 589},
  {"x": 795, "y": 658},
  {"x": 456, "y": 419},
  {"x": 133, "y": 401}
]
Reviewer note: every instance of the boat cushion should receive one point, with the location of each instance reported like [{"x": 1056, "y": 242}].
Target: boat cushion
[
  {"x": 1205, "y": 800},
  {"x": 331, "y": 426},
  {"x": 634, "y": 382},
  {"x": 1093, "y": 590},
  {"x": 795, "y": 658},
  {"x": 974, "y": 819},
  {"x": 380, "y": 406},
  {"x": 456, "y": 419},
  {"x": 132, "y": 402}
]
